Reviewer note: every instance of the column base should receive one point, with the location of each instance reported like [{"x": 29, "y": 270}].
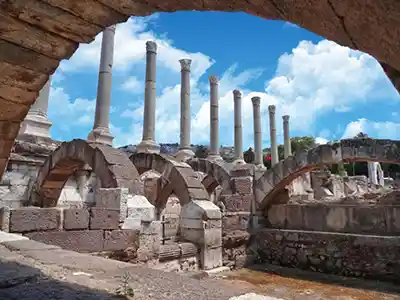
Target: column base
[
  {"x": 35, "y": 125},
  {"x": 184, "y": 154},
  {"x": 148, "y": 146},
  {"x": 101, "y": 135}
]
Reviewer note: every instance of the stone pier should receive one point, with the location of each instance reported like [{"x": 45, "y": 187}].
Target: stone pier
[
  {"x": 36, "y": 123},
  {"x": 258, "y": 155},
  {"x": 286, "y": 137},
  {"x": 272, "y": 130},
  {"x": 185, "y": 151},
  {"x": 214, "y": 119},
  {"x": 148, "y": 143},
  {"x": 237, "y": 98},
  {"x": 101, "y": 128}
]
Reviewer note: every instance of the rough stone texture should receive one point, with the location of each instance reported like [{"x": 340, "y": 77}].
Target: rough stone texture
[
  {"x": 366, "y": 219},
  {"x": 81, "y": 241},
  {"x": 345, "y": 254},
  {"x": 34, "y": 219},
  {"x": 274, "y": 180},
  {"x": 102, "y": 218},
  {"x": 76, "y": 218},
  {"x": 120, "y": 239},
  {"x": 237, "y": 202},
  {"x": 112, "y": 167}
]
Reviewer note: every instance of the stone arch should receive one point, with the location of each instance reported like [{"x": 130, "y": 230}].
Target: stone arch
[
  {"x": 111, "y": 166},
  {"x": 274, "y": 180},
  {"x": 39, "y": 35},
  {"x": 216, "y": 172},
  {"x": 176, "y": 177}
]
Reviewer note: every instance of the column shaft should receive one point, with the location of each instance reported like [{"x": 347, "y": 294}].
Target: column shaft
[
  {"x": 237, "y": 98},
  {"x": 272, "y": 128},
  {"x": 257, "y": 131},
  {"x": 148, "y": 143},
  {"x": 185, "y": 152},
  {"x": 101, "y": 127},
  {"x": 286, "y": 137},
  {"x": 214, "y": 114}
]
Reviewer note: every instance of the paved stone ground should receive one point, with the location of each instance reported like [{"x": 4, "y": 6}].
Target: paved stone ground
[{"x": 31, "y": 270}]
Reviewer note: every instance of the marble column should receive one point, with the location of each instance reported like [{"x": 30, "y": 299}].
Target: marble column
[
  {"x": 185, "y": 151},
  {"x": 101, "y": 128},
  {"x": 214, "y": 115},
  {"x": 36, "y": 123},
  {"x": 286, "y": 137},
  {"x": 237, "y": 99},
  {"x": 258, "y": 155},
  {"x": 148, "y": 143},
  {"x": 272, "y": 130}
]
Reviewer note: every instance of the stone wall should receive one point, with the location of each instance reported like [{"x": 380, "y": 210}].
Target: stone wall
[
  {"x": 374, "y": 257},
  {"x": 365, "y": 219}
]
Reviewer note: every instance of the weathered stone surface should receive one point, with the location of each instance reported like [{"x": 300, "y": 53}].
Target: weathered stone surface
[
  {"x": 5, "y": 219},
  {"x": 120, "y": 239},
  {"x": 76, "y": 218},
  {"x": 237, "y": 202},
  {"x": 102, "y": 218},
  {"x": 34, "y": 219},
  {"x": 242, "y": 185},
  {"x": 344, "y": 254},
  {"x": 81, "y": 241}
]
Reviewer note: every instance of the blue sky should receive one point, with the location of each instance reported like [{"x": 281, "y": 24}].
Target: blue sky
[{"x": 329, "y": 91}]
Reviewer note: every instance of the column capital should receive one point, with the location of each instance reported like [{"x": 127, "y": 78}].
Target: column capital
[
  {"x": 185, "y": 64},
  {"x": 237, "y": 94},
  {"x": 286, "y": 118},
  {"x": 271, "y": 109},
  {"x": 213, "y": 79},
  {"x": 151, "y": 46},
  {"x": 111, "y": 28},
  {"x": 256, "y": 100}
]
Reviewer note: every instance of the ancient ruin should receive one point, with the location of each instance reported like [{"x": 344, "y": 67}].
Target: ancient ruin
[{"x": 181, "y": 212}]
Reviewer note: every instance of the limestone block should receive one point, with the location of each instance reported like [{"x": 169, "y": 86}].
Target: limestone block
[
  {"x": 212, "y": 238},
  {"x": 76, "y": 218},
  {"x": 34, "y": 219},
  {"x": 132, "y": 223},
  {"x": 149, "y": 247},
  {"x": 211, "y": 258},
  {"x": 277, "y": 216},
  {"x": 120, "y": 239},
  {"x": 103, "y": 218},
  {"x": 369, "y": 219},
  {"x": 200, "y": 209},
  {"x": 115, "y": 198},
  {"x": 81, "y": 241},
  {"x": 294, "y": 217},
  {"x": 242, "y": 185},
  {"x": 237, "y": 202},
  {"x": 151, "y": 228},
  {"x": 315, "y": 217},
  {"x": 5, "y": 219},
  {"x": 140, "y": 207},
  {"x": 337, "y": 219}
]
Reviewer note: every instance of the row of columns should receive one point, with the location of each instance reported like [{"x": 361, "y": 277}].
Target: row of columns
[{"x": 37, "y": 115}]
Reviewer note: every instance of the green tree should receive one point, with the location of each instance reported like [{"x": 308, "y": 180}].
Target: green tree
[
  {"x": 249, "y": 156},
  {"x": 201, "y": 151}
]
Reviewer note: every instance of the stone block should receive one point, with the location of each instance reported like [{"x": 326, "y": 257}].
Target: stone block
[
  {"x": 140, "y": 207},
  {"x": 294, "y": 217},
  {"x": 149, "y": 247},
  {"x": 103, "y": 218},
  {"x": 5, "y": 219},
  {"x": 277, "y": 216},
  {"x": 369, "y": 219},
  {"x": 34, "y": 219},
  {"x": 242, "y": 185},
  {"x": 120, "y": 239},
  {"x": 113, "y": 198},
  {"x": 237, "y": 202},
  {"x": 200, "y": 209},
  {"x": 132, "y": 224},
  {"x": 81, "y": 241},
  {"x": 337, "y": 219},
  {"x": 211, "y": 258},
  {"x": 76, "y": 218},
  {"x": 314, "y": 217},
  {"x": 212, "y": 237},
  {"x": 151, "y": 228}
]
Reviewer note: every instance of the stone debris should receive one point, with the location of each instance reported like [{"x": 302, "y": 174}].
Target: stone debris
[{"x": 253, "y": 296}]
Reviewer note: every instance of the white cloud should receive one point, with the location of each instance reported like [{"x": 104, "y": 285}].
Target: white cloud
[
  {"x": 321, "y": 141},
  {"x": 383, "y": 130},
  {"x": 132, "y": 84}
]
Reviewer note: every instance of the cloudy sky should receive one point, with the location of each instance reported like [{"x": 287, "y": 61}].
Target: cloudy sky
[{"x": 329, "y": 91}]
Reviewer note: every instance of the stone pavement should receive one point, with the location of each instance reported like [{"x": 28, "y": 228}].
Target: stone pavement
[{"x": 32, "y": 270}]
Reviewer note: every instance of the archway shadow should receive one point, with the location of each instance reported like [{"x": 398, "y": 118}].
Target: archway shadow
[{"x": 19, "y": 281}]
